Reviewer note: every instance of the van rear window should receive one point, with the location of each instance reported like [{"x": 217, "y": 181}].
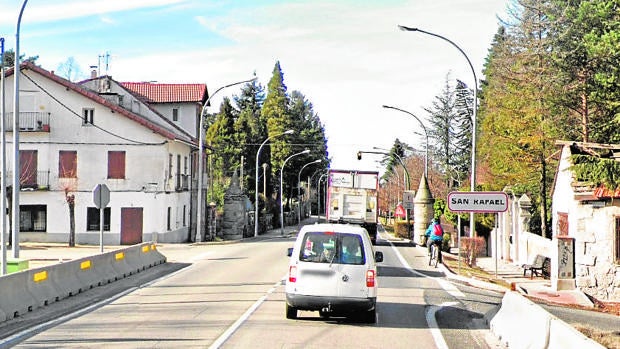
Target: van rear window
[{"x": 330, "y": 247}]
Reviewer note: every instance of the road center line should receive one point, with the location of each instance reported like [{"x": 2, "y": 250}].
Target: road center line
[{"x": 234, "y": 327}]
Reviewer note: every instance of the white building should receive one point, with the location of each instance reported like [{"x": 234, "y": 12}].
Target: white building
[
  {"x": 589, "y": 215},
  {"x": 76, "y": 136}
]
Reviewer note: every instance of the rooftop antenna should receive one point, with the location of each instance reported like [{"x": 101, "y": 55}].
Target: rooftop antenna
[{"x": 106, "y": 58}]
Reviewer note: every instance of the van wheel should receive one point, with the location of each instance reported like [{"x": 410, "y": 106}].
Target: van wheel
[
  {"x": 291, "y": 312},
  {"x": 370, "y": 316}
]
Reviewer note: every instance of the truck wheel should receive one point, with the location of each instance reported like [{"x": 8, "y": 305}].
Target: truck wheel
[{"x": 291, "y": 312}]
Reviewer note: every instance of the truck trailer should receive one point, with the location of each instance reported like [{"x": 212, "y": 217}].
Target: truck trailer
[{"x": 352, "y": 198}]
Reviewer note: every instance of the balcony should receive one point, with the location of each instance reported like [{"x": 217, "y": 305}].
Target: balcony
[
  {"x": 182, "y": 182},
  {"x": 30, "y": 182},
  {"x": 29, "y": 122}
]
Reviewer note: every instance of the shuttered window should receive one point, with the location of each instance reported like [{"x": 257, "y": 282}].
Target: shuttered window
[
  {"x": 116, "y": 165},
  {"x": 67, "y": 164},
  {"x": 28, "y": 168}
]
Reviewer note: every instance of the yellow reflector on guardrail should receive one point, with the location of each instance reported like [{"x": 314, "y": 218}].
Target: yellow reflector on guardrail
[
  {"x": 85, "y": 265},
  {"x": 145, "y": 248},
  {"x": 119, "y": 256},
  {"x": 40, "y": 276}
]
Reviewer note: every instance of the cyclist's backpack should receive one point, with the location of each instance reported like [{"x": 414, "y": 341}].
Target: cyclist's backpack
[{"x": 437, "y": 230}]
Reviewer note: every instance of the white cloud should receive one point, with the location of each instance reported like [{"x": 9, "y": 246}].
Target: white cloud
[
  {"x": 50, "y": 11},
  {"x": 348, "y": 58}
]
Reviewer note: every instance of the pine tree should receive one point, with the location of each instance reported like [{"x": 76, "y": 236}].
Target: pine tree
[
  {"x": 250, "y": 129},
  {"x": 276, "y": 115},
  {"x": 226, "y": 158}
]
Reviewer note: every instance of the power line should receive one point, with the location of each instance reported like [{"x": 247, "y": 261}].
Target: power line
[{"x": 81, "y": 118}]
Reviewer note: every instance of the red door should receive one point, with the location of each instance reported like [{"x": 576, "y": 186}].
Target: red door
[{"x": 131, "y": 225}]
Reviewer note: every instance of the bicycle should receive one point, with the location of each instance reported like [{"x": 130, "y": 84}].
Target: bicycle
[{"x": 434, "y": 258}]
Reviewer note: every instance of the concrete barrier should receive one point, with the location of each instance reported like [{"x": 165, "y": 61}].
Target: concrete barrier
[
  {"x": 87, "y": 276},
  {"x": 41, "y": 286},
  {"x": 16, "y": 300},
  {"x": 521, "y": 323},
  {"x": 24, "y": 291}
]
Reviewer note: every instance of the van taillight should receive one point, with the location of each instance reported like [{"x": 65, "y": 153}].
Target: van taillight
[
  {"x": 292, "y": 273},
  {"x": 370, "y": 278}
]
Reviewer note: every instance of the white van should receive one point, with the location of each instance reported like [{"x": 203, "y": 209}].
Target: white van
[{"x": 333, "y": 270}]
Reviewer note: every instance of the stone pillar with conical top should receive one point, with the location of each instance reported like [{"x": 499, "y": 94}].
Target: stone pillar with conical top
[{"x": 422, "y": 210}]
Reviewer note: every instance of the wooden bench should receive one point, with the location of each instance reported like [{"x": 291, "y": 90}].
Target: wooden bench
[{"x": 540, "y": 265}]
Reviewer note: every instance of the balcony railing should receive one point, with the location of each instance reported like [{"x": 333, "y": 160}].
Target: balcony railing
[
  {"x": 182, "y": 182},
  {"x": 29, "y": 121},
  {"x": 41, "y": 182}
]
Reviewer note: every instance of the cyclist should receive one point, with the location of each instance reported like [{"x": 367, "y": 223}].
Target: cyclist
[{"x": 434, "y": 235}]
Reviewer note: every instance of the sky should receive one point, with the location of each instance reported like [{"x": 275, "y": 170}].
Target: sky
[{"x": 347, "y": 57}]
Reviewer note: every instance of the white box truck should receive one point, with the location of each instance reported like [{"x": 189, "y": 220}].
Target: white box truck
[{"x": 352, "y": 198}]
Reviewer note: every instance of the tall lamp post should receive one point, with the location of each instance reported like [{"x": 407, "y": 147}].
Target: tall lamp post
[
  {"x": 288, "y": 132},
  {"x": 16, "y": 169},
  {"x": 318, "y": 198},
  {"x": 425, "y": 133},
  {"x": 3, "y": 160},
  {"x": 200, "y": 151},
  {"x": 299, "y": 190},
  {"x": 282, "y": 188},
  {"x": 473, "y": 132}
]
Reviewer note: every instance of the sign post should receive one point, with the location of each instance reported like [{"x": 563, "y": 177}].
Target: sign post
[
  {"x": 101, "y": 198},
  {"x": 478, "y": 201}
]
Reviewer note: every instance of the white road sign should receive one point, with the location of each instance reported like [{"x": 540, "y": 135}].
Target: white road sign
[{"x": 477, "y": 201}]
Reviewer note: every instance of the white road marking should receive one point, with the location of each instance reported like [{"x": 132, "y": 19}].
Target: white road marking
[
  {"x": 21, "y": 336},
  {"x": 440, "y": 342},
  {"x": 234, "y": 327},
  {"x": 431, "y": 321}
]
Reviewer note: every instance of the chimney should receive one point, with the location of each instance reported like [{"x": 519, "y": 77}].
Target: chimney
[{"x": 93, "y": 71}]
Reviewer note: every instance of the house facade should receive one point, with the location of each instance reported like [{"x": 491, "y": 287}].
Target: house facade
[
  {"x": 76, "y": 136},
  {"x": 588, "y": 217}
]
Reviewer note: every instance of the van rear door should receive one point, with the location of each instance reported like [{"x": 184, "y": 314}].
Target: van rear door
[
  {"x": 352, "y": 266},
  {"x": 319, "y": 275}
]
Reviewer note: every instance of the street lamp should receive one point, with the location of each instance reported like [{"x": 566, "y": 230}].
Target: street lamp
[
  {"x": 282, "y": 188},
  {"x": 256, "y": 177},
  {"x": 400, "y": 160},
  {"x": 3, "y": 160},
  {"x": 473, "y": 132},
  {"x": 16, "y": 169},
  {"x": 318, "y": 199},
  {"x": 299, "y": 190},
  {"x": 425, "y": 133},
  {"x": 200, "y": 151}
]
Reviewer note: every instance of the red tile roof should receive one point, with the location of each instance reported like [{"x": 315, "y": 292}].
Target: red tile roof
[
  {"x": 95, "y": 97},
  {"x": 168, "y": 93},
  {"x": 602, "y": 192}
]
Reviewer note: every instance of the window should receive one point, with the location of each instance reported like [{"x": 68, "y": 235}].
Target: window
[
  {"x": 169, "y": 219},
  {"x": 175, "y": 114},
  {"x": 185, "y": 165},
  {"x": 116, "y": 164},
  {"x": 184, "y": 214},
  {"x": 169, "y": 165},
  {"x": 28, "y": 168},
  {"x": 33, "y": 217},
  {"x": 329, "y": 247},
  {"x": 617, "y": 241},
  {"x": 67, "y": 164},
  {"x": 93, "y": 218},
  {"x": 88, "y": 116}
]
